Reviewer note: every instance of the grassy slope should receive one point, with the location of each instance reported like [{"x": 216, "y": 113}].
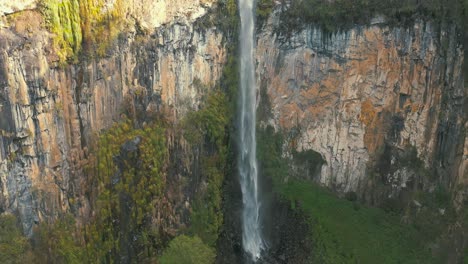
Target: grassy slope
[
  {"x": 342, "y": 231},
  {"x": 345, "y": 232}
]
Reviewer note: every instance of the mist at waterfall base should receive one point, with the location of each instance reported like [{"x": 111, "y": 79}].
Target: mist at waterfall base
[{"x": 252, "y": 239}]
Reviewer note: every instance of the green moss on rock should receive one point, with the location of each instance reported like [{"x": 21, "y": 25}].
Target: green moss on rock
[
  {"x": 81, "y": 26},
  {"x": 63, "y": 19}
]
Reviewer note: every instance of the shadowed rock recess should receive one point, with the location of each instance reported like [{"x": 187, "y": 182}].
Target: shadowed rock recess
[{"x": 119, "y": 128}]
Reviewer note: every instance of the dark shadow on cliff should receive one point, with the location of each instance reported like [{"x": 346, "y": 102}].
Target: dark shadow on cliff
[{"x": 285, "y": 229}]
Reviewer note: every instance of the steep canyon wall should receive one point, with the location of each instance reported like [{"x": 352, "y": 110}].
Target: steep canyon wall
[
  {"x": 365, "y": 97},
  {"x": 50, "y": 115}
]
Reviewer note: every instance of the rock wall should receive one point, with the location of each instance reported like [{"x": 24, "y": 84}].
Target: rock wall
[
  {"x": 352, "y": 94},
  {"x": 51, "y": 115},
  {"x": 9, "y": 7},
  {"x": 152, "y": 14},
  {"x": 149, "y": 13}
]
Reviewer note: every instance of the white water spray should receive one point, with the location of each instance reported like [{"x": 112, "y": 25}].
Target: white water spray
[{"x": 251, "y": 237}]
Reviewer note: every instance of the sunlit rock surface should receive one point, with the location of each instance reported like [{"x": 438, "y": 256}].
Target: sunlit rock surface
[
  {"x": 351, "y": 94},
  {"x": 361, "y": 98},
  {"x": 51, "y": 114}
]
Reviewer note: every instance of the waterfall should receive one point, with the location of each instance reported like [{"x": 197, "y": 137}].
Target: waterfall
[{"x": 251, "y": 234}]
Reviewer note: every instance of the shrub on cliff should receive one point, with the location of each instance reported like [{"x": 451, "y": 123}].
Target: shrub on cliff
[
  {"x": 129, "y": 178},
  {"x": 57, "y": 243},
  {"x": 188, "y": 250},
  {"x": 13, "y": 245},
  {"x": 206, "y": 129},
  {"x": 264, "y": 9}
]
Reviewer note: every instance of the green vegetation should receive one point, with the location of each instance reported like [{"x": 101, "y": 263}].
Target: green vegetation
[
  {"x": 75, "y": 23},
  {"x": 207, "y": 215},
  {"x": 63, "y": 20},
  {"x": 428, "y": 219},
  {"x": 129, "y": 196},
  {"x": 209, "y": 122},
  {"x": 224, "y": 17},
  {"x": 100, "y": 26},
  {"x": 264, "y": 9},
  {"x": 57, "y": 243},
  {"x": 209, "y": 131},
  {"x": 129, "y": 182},
  {"x": 343, "y": 14},
  {"x": 270, "y": 156},
  {"x": 51, "y": 243},
  {"x": 345, "y": 233},
  {"x": 188, "y": 250},
  {"x": 207, "y": 128},
  {"x": 342, "y": 231},
  {"x": 13, "y": 245}
]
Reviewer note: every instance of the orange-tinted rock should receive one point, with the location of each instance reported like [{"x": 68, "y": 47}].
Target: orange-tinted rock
[
  {"x": 54, "y": 114},
  {"x": 362, "y": 89}
]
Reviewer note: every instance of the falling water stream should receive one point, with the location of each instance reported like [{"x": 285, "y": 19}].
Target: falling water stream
[{"x": 252, "y": 240}]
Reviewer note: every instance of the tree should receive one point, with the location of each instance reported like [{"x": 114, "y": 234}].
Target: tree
[{"x": 188, "y": 250}]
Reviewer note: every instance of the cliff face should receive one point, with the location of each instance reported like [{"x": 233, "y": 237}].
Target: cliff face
[
  {"x": 51, "y": 115},
  {"x": 16, "y": 6},
  {"x": 364, "y": 98},
  {"x": 152, "y": 14}
]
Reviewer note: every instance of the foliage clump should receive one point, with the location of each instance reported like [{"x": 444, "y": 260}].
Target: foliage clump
[
  {"x": 264, "y": 9},
  {"x": 58, "y": 242},
  {"x": 129, "y": 185},
  {"x": 13, "y": 245},
  {"x": 188, "y": 250},
  {"x": 51, "y": 243},
  {"x": 209, "y": 122},
  {"x": 207, "y": 129}
]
